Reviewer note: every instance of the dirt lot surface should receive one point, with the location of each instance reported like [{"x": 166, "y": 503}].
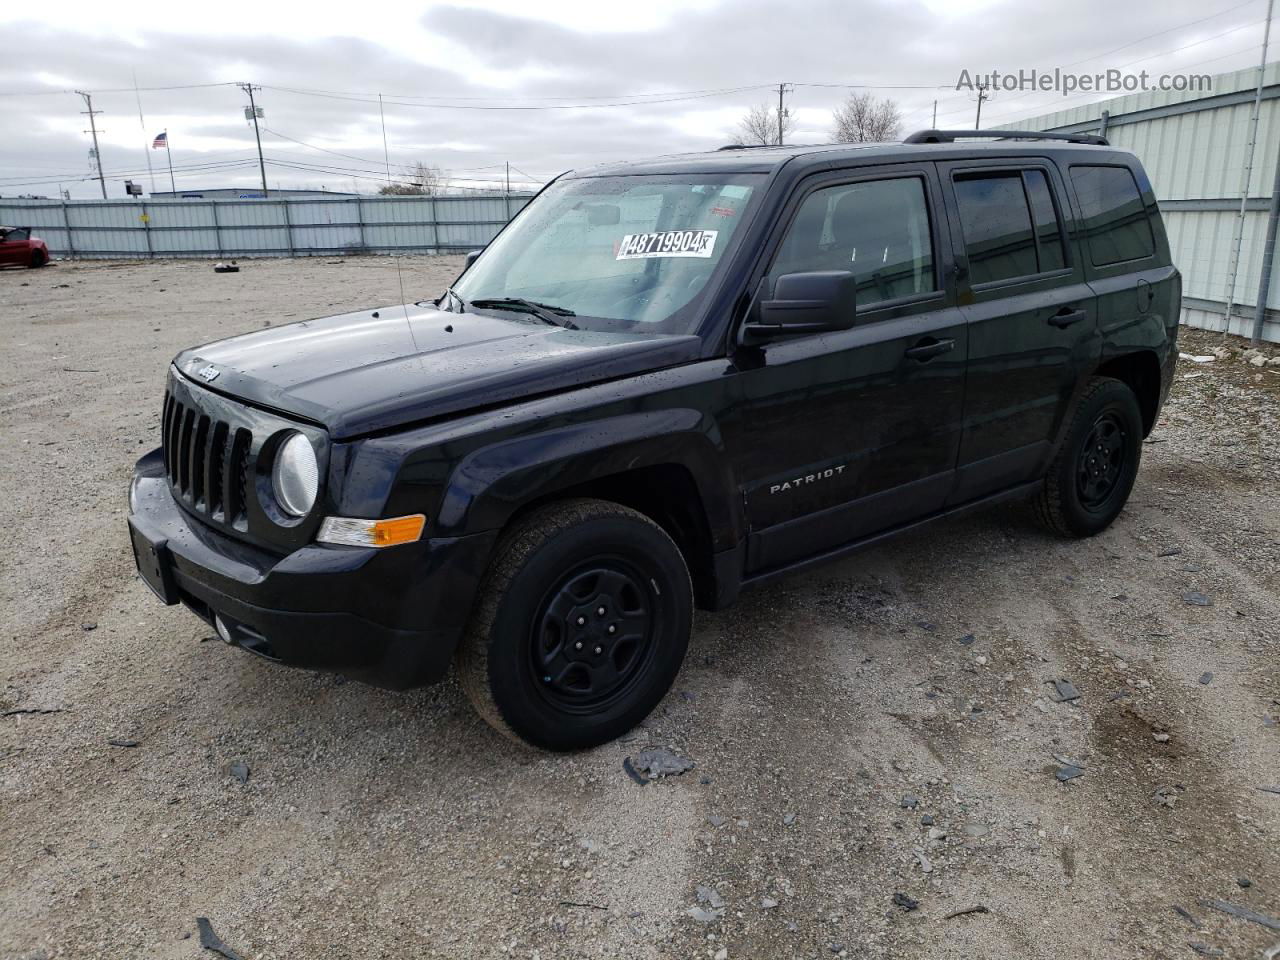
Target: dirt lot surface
[{"x": 832, "y": 717}]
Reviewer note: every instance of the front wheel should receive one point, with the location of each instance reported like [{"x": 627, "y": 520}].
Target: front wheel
[
  {"x": 1089, "y": 481},
  {"x": 581, "y": 626},
  {"x": 38, "y": 259}
]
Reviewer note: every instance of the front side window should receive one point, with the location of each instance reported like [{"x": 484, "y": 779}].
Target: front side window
[
  {"x": 18, "y": 233},
  {"x": 625, "y": 254},
  {"x": 1116, "y": 224},
  {"x": 876, "y": 229}
]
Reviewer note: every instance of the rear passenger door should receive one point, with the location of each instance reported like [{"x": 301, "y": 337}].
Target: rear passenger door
[{"x": 1030, "y": 315}]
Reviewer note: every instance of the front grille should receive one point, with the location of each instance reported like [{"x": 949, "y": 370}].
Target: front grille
[{"x": 207, "y": 461}]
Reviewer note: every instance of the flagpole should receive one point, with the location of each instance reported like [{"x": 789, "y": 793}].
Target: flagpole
[
  {"x": 146, "y": 147},
  {"x": 172, "y": 186}
]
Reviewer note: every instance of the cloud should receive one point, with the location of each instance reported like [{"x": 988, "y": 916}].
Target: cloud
[{"x": 321, "y": 89}]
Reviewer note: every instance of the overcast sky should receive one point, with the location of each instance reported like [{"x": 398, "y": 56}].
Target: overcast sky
[{"x": 445, "y": 69}]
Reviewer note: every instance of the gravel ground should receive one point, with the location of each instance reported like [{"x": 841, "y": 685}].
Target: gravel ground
[{"x": 832, "y": 717}]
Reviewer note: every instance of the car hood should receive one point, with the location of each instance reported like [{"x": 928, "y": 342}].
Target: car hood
[{"x": 359, "y": 373}]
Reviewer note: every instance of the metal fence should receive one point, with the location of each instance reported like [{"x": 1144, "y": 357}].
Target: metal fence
[
  {"x": 284, "y": 227},
  {"x": 1193, "y": 146}
]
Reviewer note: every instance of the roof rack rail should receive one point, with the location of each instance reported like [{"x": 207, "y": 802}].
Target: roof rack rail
[
  {"x": 950, "y": 136},
  {"x": 744, "y": 146}
]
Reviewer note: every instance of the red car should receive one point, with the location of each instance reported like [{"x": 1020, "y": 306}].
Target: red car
[{"x": 18, "y": 248}]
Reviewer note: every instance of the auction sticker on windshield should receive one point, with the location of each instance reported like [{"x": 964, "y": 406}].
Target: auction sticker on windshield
[{"x": 667, "y": 243}]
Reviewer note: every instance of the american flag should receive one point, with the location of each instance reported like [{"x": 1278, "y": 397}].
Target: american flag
[{"x": 160, "y": 141}]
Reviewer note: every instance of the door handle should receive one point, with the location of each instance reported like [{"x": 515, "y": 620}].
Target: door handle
[
  {"x": 929, "y": 348},
  {"x": 1066, "y": 317}
]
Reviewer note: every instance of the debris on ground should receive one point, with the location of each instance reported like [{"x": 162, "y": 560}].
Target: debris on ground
[
  {"x": 1270, "y": 789},
  {"x": 240, "y": 770},
  {"x": 1206, "y": 678},
  {"x": 1168, "y": 796},
  {"x": 767, "y": 903},
  {"x": 710, "y": 896},
  {"x": 1205, "y": 951},
  {"x": 210, "y": 941},
  {"x": 231, "y": 267},
  {"x": 788, "y": 819},
  {"x": 1169, "y": 552},
  {"x": 1197, "y": 599},
  {"x": 87, "y": 627},
  {"x": 122, "y": 743},
  {"x": 978, "y": 908},
  {"x": 631, "y": 772},
  {"x": 661, "y": 763},
  {"x": 1244, "y": 913},
  {"x": 1185, "y": 914},
  {"x": 30, "y": 710},
  {"x": 1069, "y": 771},
  {"x": 1065, "y": 691},
  {"x": 909, "y": 802},
  {"x": 966, "y": 640},
  {"x": 705, "y": 916},
  {"x": 715, "y": 820},
  {"x": 905, "y": 902}
]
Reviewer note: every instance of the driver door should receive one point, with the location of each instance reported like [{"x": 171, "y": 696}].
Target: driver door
[{"x": 844, "y": 434}]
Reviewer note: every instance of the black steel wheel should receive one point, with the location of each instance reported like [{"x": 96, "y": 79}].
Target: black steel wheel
[
  {"x": 582, "y": 624},
  {"x": 1089, "y": 480},
  {"x": 1100, "y": 461}
]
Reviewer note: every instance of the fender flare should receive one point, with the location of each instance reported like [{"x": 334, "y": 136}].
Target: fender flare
[{"x": 490, "y": 484}]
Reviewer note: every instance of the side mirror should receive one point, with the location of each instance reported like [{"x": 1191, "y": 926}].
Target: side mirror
[
  {"x": 805, "y": 303},
  {"x": 472, "y": 257}
]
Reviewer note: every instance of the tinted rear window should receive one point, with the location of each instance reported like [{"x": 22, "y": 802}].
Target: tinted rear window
[
  {"x": 996, "y": 222},
  {"x": 1116, "y": 225}
]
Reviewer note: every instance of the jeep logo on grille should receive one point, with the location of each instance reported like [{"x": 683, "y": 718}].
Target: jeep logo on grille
[{"x": 208, "y": 374}]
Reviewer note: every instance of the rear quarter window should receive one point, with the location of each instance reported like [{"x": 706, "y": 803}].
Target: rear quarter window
[{"x": 1115, "y": 221}]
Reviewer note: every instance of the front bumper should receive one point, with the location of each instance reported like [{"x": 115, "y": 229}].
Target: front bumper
[{"x": 389, "y": 617}]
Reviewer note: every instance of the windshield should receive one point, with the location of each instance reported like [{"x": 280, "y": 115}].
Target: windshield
[{"x": 626, "y": 254}]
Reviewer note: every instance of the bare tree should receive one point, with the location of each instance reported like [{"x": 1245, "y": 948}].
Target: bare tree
[
  {"x": 418, "y": 180},
  {"x": 865, "y": 119},
  {"x": 760, "y": 126}
]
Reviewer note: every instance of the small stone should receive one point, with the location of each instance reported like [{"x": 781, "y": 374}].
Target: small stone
[
  {"x": 905, "y": 902},
  {"x": 788, "y": 819},
  {"x": 977, "y": 830},
  {"x": 966, "y": 640},
  {"x": 768, "y": 904},
  {"x": 1259, "y": 361},
  {"x": 715, "y": 820},
  {"x": 927, "y": 820},
  {"x": 722, "y": 954},
  {"x": 86, "y": 627},
  {"x": 1069, "y": 771},
  {"x": 1170, "y": 552},
  {"x": 909, "y": 802},
  {"x": 937, "y": 833},
  {"x": 1197, "y": 599},
  {"x": 1160, "y": 737},
  {"x": 1206, "y": 678},
  {"x": 1244, "y": 882},
  {"x": 704, "y": 916},
  {"x": 240, "y": 770}
]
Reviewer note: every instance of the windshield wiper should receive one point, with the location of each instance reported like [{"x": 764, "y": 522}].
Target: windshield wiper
[{"x": 546, "y": 312}]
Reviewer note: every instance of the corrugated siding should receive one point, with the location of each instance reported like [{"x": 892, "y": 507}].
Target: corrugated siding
[
  {"x": 1200, "y": 155},
  {"x": 262, "y": 227}
]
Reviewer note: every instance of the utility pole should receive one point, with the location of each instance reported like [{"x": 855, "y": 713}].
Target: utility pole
[
  {"x": 253, "y": 112},
  {"x": 93, "y": 128},
  {"x": 1247, "y": 178},
  {"x": 982, "y": 95},
  {"x": 508, "y": 178},
  {"x": 782, "y": 112},
  {"x": 935, "y": 115}
]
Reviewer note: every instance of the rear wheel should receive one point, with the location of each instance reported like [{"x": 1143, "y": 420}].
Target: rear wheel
[
  {"x": 1092, "y": 474},
  {"x": 582, "y": 624}
]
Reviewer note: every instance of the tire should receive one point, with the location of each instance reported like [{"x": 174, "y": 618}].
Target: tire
[
  {"x": 38, "y": 259},
  {"x": 1093, "y": 471},
  {"x": 539, "y": 661}
]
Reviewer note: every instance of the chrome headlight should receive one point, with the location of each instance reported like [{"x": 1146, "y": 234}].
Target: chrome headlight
[{"x": 295, "y": 475}]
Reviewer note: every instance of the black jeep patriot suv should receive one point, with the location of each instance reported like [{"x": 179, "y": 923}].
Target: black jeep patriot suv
[{"x": 662, "y": 382}]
